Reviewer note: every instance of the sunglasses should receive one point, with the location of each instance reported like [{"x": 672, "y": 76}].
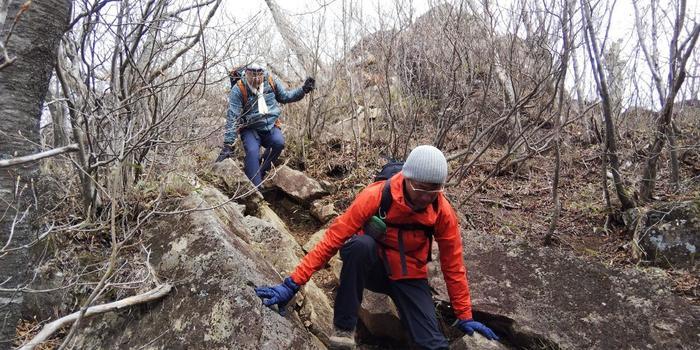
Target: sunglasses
[
  {"x": 254, "y": 70},
  {"x": 423, "y": 190}
]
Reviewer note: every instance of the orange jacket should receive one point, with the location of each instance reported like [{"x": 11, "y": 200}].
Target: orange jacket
[{"x": 416, "y": 245}]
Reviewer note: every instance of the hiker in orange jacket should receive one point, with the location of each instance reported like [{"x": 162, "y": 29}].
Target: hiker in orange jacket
[{"x": 393, "y": 259}]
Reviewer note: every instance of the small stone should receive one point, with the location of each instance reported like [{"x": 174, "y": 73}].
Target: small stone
[{"x": 323, "y": 212}]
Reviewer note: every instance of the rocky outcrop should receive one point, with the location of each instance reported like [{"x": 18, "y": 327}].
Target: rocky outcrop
[
  {"x": 205, "y": 254},
  {"x": 533, "y": 297},
  {"x": 667, "y": 234},
  {"x": 546, "y": 297}
]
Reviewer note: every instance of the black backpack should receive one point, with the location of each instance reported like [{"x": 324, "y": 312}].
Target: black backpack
[{"x": 388, "y": 170}]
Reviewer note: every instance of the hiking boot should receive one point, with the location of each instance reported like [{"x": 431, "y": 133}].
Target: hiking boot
[{"x": 342, "y": 340}]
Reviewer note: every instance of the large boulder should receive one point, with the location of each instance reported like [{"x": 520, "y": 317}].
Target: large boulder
[
  {"x": 267, "y": 214},
  {"x": 213, "y": 305},
  {"x": 280, "y": 249},
  {"x": 380, "y": 317},
  {"x": 228, "y": 176},
  {"x": 549, "y": 298},
  {"x": 346, "y": 130},
  {"x": 667, "y": 234},
  {"x": 297, "y": 185}
]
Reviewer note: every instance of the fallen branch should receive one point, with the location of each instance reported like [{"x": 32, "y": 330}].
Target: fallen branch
[
  {"x": 51, "y": 328},
  {"x": 34, "y": 157}
]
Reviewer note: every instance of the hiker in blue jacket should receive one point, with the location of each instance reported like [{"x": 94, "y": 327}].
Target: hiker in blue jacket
[{"x": 253, "y": 112}]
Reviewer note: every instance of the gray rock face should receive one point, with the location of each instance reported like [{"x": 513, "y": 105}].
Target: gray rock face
[
  {"x": 668, "y": 234},
  {"x": 213, "y": 305},
  {"x": 545, "y": 296},
  {"x": 476, "y": 341},
  {"x": 297, "y": 185},
  {"x": 379, "y": 315},
  {"x": 232, "y": 180},
  {"x": 279, "y": 248}
]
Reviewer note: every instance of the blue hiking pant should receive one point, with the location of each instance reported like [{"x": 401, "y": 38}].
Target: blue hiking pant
[
  {"x": 272, "y": 140},
  {"x": 362, "y": 268}
]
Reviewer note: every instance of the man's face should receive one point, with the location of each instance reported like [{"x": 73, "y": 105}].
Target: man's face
[
  {"x": 254, "y": 76},
  {"x": 422, "y": 194}
]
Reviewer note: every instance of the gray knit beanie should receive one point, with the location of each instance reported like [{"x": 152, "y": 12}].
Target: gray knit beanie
[{"x": 426, "y": 164}]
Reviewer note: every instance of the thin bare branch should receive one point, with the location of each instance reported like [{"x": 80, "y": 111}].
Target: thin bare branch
[{"x": 38, "y": 156}]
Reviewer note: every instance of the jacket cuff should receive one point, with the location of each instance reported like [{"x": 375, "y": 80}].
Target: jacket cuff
[
  {"x": 289, "y": 282},
  {"x": 464, "y": 315}
]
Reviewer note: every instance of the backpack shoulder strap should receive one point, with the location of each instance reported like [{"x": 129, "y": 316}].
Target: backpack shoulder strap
[
  {"x": 244, "y": 94},
  {"x": 272, "y": 83},
  {"x": 385, "y": 202}
]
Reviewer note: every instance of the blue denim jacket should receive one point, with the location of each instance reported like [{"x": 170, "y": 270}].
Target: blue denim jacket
[{"x": 251, "y": 118}]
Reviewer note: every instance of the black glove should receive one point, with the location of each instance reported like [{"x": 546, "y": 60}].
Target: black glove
[
  {"x": 226, "y": 152},
  {"x": 309, "y": 85}
]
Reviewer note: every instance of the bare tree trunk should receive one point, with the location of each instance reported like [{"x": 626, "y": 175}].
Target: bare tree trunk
[
  {"x": 58, "y": 118},
  {"x": 663, "y": 129},
  {"x": 354, "y": 123},
  {"x": 590, "y": 133},
  {"x": 566, "y": 53},
  {"x": 36, "y": 30},
  {"x": 673, "y": 151},
  {"x": 604, "y": 180},
  {"x": 89, "y": 193},
  {"x": 578, "y": 77},
  {"x": 678, "y": 57},
  {"x": 303, "y": 53},
  {"x": 652, "y": 57},
  {"x": 601, "y": 82}
]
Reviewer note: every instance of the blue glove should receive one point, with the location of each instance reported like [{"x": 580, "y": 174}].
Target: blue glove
[
  {"x": 469, "y": 326},
  {"x": 279, "y": 294}
]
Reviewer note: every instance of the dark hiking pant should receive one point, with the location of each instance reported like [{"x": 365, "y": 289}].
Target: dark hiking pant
[
  {"x": 272, "y": 141},
  {"x": 362, "y": 268}
]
